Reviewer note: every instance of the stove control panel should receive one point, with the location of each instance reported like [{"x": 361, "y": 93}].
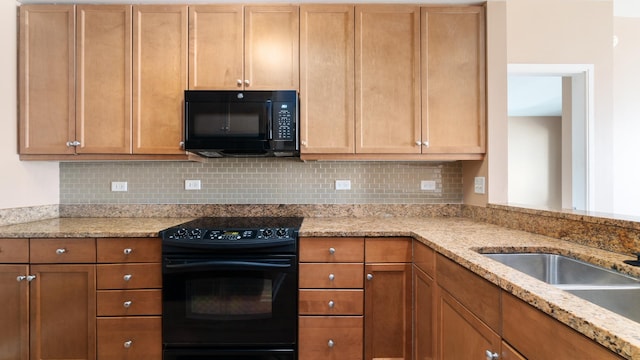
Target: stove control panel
[{"x": 229, "y": 234}]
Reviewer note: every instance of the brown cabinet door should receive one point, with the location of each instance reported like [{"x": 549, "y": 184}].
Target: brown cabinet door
[
  {"x": 103, "y": 99},
  {"x": 423, "y": 315},
  {"x": 453, "y": 79},
  {"x": 159, "y": 78},
  {"x": 387, "y": 317},
  {"x": 327, "y": 122},
  {"x": 47, "y": 79},
  {"x": 14, "y": 297},
  {"x": 271, "y": 47},
  {"x": 215, "y": 47},
  {"x": 63, "y": 312},
  {"x": 460, "y": 334},
  {"x": 387, "y": 79}
]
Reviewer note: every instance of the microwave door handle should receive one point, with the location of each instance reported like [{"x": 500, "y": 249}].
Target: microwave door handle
[{"x": 270, "y": 119}]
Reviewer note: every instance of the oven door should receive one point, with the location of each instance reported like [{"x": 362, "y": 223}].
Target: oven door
[{"x": 221, "y": 302}]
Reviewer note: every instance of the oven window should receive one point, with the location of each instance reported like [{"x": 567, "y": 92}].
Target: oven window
[{"x": 229, "y": 298}]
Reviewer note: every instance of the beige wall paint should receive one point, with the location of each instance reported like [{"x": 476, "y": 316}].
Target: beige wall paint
[
  {"x": 22, "y": 184},
  {"x": 572, "y": 32}
]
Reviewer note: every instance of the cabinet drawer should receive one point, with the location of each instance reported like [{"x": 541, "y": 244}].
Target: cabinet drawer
[
  {"x": 14, "y": 251},
  {"x": 392, "y": 249},
  {"x": 123, "y": 250},
  {"x": 424, "y": 258},
  {"x": 331, "y": 302},
  {"x": 324, "y": 337},
  {"x": 129, "y": 302},
  {"x": 58, "y": 251},
  {"x": 331, "y": 276},
  {"x": 129, "y": 276},
  {"x": 331, "y": 249},
  {"x": 130, "y": 338}
]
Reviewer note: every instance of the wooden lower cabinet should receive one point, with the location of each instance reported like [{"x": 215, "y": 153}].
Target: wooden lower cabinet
[
  {"x": 62, "y": 312},
  {"x": 552, "y": 339},
  {"x": 509, "y": 353},
  {"x": 330, "y": 337},
  {"x": 14, "y": 312},
  {"x": 423, "y": 315},
  {"x": 129, "y": 338}
]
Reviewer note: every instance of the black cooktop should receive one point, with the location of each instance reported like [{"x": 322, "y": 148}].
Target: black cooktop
[{"x": 233, "y": 233}]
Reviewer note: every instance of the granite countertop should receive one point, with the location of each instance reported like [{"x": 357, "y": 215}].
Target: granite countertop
[{"x": 457, "y": 238}]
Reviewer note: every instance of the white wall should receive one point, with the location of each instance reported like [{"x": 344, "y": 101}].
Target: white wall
[
  {"x": 572, "y": 32},
  {"x": 535, "y": 175},
  {"x": 21, "y": 183}
]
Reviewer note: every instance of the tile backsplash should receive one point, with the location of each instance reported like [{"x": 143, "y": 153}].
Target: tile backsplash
[{"x": 260, "y": 181}]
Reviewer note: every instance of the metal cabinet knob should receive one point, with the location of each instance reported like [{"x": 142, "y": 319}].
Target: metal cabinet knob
[
  {"x": 127, "y": 303},
  {"x": 61, "y": 251},
  {"x": 127, "y": 251},
  {"x": 304, "y": 143},
  {"x": 127, "y": 277},
  {"x": 30, "y": 277},
  {"x": 331, "y": 277},
  {"x": 247, "y": 83},
  {"x": 418, "y": 142},
  {"x": 330, "y": 343},
  {"x": 332, "y": 250},
  {"x": 331, "y": 304},
  {"x": 425, "y": 143},
  {"x": 369, "y": 276},
  {"x": 491, "y": 355},
  {"x": 21, "y": 278},
  {"x": 127, "y": 344},
  {"x": 239, "y": 82}
]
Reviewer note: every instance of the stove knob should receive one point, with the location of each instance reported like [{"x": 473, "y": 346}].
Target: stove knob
[
  {"x": 196, "y": 232},
  {"x": 267, "y": 232},
  {"x": 181, "y": 232},
  {"x": 281, "y": 232}
]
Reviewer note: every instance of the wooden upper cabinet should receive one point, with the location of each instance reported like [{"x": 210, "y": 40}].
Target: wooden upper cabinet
[
  {"x": 271, "y": 47},
  {"x": 216, "y": 39},
  {"x": 327, "y": 122},
  {"x": 453, "y": 79},
  {"x": 234, "y": 47},
  {"x": 47, "y": 79},
  {"x": 387, "y": 78},
  {"x": 103, "y": 97},
  {"x": 159, "y": 77}
]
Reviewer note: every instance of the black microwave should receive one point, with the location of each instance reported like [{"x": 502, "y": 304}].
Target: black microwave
[{"x": 241, "y": 123}]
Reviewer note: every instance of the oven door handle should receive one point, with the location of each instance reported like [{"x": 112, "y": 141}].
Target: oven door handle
[{"x": 226, "y": 265}]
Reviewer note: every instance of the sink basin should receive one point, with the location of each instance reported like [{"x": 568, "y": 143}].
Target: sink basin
[
  {"x": 606, "y": 288},
  {"x": 561, "y": 270}
]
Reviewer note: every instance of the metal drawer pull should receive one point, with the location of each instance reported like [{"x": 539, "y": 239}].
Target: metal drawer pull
[
  {"x": 127, "y": 277},
  {"x": 61, "y": 251},
  {"x": 128, "y": 344},
  {"x": 127, "y": 251},
  {"x": 30, "y": 277},
  {"x": 127, "y": 303},
  {"x": 21, "y": 278},
  {"x": 332, "y": 251},
  {"x": 369, "y": 276},
  {"x": 331, "y": 277},
  {"x": 330, "y": 343},
  {"x": 331, "y": 304},
  {"x": 491, "y": 355}
]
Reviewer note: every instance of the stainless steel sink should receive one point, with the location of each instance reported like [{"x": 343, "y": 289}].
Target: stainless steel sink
[{"x": 611, "y": 290}]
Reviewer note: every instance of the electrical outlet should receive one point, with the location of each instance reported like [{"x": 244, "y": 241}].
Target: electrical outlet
[
  {"x": 192, "y": 185},
  {"x": 119, "y": 186},
  {"x": 478, "y": 185},
  {"x": 343, "y": 184},
  {"x": 428, "y": 185}
]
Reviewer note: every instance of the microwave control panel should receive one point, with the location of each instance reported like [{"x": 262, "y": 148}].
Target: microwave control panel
[{"x": 285, "y": 124}]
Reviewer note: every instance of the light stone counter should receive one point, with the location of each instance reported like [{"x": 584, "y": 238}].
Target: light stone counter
[
  {"x": 454, "y": 237},
  {"x": 460, "y": 239}
]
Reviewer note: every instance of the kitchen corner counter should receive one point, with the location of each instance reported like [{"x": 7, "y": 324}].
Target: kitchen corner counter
[
  {"x": 90, "y": 227},
  {"x": 462, "y": 239}
]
